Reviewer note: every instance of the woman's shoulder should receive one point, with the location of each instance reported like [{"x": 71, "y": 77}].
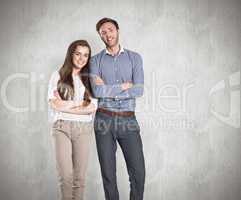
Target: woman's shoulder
[{"x": 55, "y": 75}]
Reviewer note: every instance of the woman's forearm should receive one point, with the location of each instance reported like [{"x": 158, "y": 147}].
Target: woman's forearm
[
  {"x": 74, "y": 108},
  {"x": 82, "y": 110},
  {"x": 62, "y": 105}
]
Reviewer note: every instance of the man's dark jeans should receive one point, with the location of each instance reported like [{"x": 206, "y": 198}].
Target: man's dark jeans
[{"x": 125, "y": 130}]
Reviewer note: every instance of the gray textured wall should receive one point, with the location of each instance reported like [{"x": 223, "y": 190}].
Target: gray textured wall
[{"x": 189, "y": 115}]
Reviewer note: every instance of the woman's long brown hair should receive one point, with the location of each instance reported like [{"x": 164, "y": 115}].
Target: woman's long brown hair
[{"x": 65, "y": 85}]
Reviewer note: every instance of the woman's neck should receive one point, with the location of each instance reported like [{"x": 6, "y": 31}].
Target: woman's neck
[{"x": 75, "y": 71}]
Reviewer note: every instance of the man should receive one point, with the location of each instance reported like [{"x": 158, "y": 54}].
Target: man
[{"x": 117, "y": 79}]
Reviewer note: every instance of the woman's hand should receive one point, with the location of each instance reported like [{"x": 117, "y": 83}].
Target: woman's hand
[{"x": 56, "y": 94}]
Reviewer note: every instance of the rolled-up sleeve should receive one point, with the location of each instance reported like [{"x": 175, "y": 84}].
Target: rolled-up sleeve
[{"x": 137, "y": 79}]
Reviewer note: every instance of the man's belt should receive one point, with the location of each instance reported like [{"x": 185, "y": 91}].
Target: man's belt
[{"x": 113, "y": 114}]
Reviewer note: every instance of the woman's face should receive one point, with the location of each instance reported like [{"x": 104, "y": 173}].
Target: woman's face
[{"x": 80, "y": 56}]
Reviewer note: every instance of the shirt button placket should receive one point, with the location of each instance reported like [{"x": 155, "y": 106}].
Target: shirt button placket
[{"x": 115, "y": 68}]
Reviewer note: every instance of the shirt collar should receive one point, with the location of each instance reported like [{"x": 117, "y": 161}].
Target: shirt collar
[{"x": 121, "y": 51}]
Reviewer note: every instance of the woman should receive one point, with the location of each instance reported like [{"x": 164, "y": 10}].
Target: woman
[{"x": 69, "y": 96}]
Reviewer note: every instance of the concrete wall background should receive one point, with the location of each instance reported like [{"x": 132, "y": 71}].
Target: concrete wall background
[{"x": 189, "y": 115}]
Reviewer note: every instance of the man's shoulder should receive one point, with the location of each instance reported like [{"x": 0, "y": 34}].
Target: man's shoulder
[
  {"x": 133, "y": 54},
  {"x": 98, "y": 55}
]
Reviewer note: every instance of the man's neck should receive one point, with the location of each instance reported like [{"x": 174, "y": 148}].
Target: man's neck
[{"x": 114, "y": 50}]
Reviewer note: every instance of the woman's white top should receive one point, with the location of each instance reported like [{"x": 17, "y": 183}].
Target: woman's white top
[{"x": 79, "y": 91}]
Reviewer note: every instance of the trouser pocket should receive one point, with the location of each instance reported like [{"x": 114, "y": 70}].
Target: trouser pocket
[{"x": 61, "y": 126}]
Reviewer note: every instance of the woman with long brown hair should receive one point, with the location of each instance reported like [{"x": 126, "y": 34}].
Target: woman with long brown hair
[{"x": 72, "y": 108}]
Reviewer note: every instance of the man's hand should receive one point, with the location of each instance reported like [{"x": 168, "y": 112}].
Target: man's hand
[
  {"x": 126, "y": 86},
  {"x": 99, "y": 81}
]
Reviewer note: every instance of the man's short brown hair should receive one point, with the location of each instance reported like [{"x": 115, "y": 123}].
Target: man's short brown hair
[{"x": 104, "y": 20}]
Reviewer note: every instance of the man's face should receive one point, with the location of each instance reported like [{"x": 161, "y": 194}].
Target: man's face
[{"x": 109, "y": 34}]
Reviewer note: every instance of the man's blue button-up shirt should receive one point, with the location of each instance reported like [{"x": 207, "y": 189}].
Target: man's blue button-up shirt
[{"x": 127, "y": 66}]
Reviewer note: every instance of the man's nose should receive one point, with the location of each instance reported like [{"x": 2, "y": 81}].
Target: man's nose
[{"x": 108, "y": 35}]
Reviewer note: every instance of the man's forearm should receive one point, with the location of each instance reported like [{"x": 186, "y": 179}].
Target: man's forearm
[
  {"x": 135, "y": 91},
  {"x": 116, "y": 91},
  {"x": 107, "y": 91}
]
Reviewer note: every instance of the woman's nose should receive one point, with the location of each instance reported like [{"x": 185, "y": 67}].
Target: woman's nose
[{"x": 80, "y": 57}]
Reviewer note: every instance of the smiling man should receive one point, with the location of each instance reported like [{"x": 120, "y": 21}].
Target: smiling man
[{"x": 117, "y": 79}]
